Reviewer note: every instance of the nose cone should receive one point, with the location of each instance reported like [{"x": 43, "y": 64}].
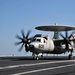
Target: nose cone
[
  {"x": 34, "y": 45},
  {"x": 31, "y": 46}
]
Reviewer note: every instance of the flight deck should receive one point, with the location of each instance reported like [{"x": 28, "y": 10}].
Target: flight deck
[{"x": 48, "y": 65}]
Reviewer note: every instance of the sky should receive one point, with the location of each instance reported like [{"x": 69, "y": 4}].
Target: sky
[{"x": 16, "y": 15}]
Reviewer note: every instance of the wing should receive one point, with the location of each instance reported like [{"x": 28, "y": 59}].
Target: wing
[
  {"x": 55, "y": 28},
  {"x": 58, "y": 42}
]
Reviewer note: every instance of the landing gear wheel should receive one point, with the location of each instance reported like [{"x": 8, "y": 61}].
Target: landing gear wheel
[
  {"x": 34, "y": 58},
  {"x": 70, "y": 56},
  {"x": 42, "y": 56},
  {"x": 37, "y": 58}
]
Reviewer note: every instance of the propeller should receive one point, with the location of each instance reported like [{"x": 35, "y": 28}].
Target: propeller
[
  {"x": 24, "y": 40},
  {"x": 67, "y": 39}
]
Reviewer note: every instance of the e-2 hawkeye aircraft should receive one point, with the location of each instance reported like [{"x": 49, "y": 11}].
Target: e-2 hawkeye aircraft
[{"x": 44, "y": 44}]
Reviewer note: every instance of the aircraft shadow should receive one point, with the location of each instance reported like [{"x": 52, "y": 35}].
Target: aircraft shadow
[{"x": 40, "y": 58}]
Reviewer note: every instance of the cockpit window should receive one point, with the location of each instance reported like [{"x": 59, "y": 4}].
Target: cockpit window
[
  {"x": 34, "y": 39},
  {"x": 39, "y": 40}
]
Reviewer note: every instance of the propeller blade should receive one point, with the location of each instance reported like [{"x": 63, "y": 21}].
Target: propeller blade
[
  {"x": 23, "y": 33},
  {"x": 71, "y": 34},
  {"x": 66, "y": 34},
  {"x": 28, "y": 33},
  {"x": 17, "y": 43},
  {"x": 26, "y": 48},
  {"x": 62, "y": 36},
  {"x": 66, "y": 39},
  {"x": 24, "y": 40},
  {"x": 18, "y": 37},
  {"x": 67, "y": 46},
  {"x": 20, "y": 49}
]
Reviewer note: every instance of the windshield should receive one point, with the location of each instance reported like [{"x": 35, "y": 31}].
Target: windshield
[{"x": 39, "y": 40}]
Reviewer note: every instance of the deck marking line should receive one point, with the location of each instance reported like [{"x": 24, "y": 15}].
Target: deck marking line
[
  {"x": 22, "y": 65},
  {"x": 51, "y": 68}
]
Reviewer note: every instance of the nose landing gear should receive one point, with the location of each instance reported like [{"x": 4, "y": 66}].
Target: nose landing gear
[{"x": 35, "y": 57}]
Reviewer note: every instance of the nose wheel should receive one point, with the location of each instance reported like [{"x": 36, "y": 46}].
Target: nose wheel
[{"x": 35, "y": 57}]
